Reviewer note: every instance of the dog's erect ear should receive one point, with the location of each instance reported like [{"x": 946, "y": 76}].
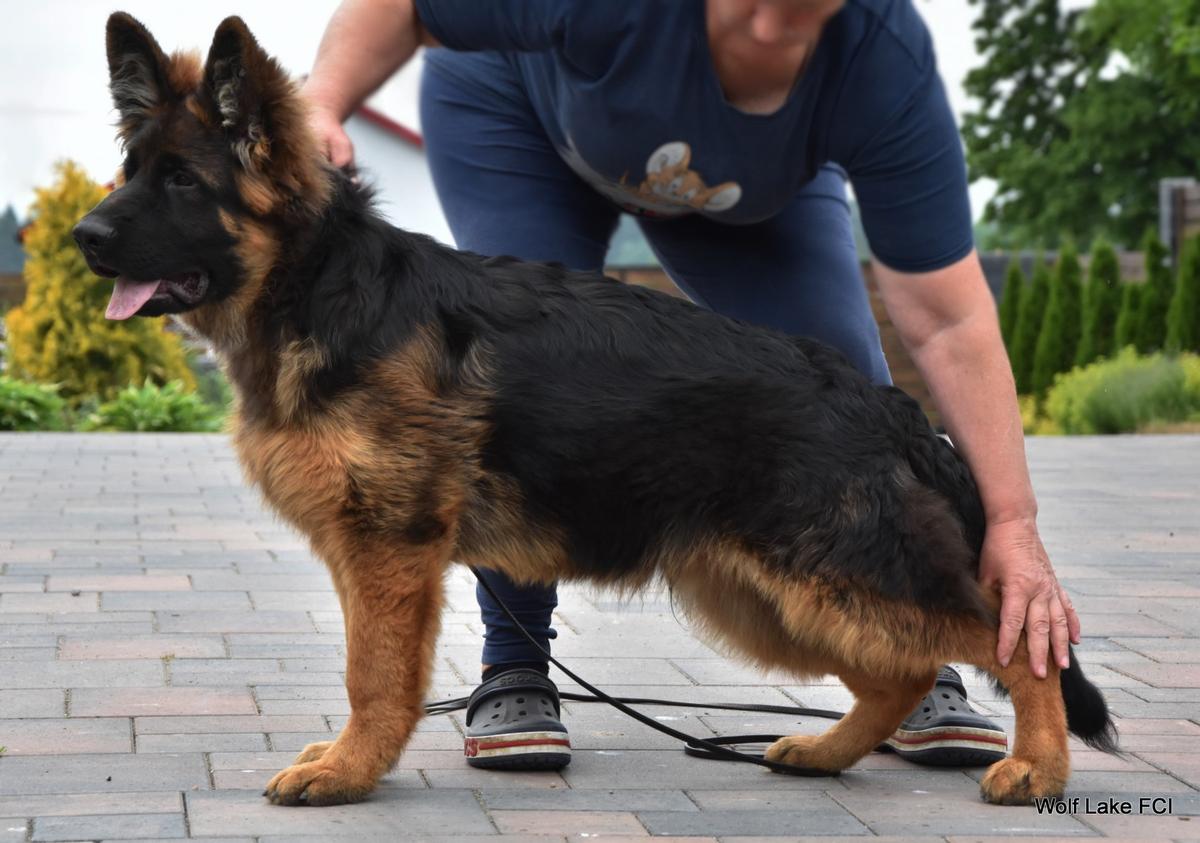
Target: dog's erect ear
[
  {"x": 245, "y": 85},
  {"x": 265, "y": 120},
  {"x": 137, "y": 70}
]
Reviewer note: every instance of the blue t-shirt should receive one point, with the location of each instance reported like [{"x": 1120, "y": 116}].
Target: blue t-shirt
[{"x": 628, "y": 94}]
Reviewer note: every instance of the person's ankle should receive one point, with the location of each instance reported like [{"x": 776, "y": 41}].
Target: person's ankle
[{"x": 488, "y": 671}]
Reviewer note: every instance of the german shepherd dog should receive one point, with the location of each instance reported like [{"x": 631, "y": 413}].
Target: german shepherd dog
[{"x": 404, "y": 405}]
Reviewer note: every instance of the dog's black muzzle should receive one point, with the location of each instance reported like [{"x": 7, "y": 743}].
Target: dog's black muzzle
[{"x": 95, "y": 237}]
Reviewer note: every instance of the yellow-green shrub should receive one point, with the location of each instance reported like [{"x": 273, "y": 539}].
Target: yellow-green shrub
[
  {"x": 59, "y": 334},
  {"x": 1032, "y": 420},
  {"x": 1126, "y": 393}
]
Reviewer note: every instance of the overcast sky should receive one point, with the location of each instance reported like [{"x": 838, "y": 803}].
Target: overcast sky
[{"x": 54, "y": 100}]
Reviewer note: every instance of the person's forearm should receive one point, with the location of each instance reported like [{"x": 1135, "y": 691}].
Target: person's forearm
[
  {"x": 365, "y": 42},
  {"x": 968, "y": 372}
]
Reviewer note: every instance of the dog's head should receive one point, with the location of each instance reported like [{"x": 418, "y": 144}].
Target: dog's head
[{"x": 219, "y": 165}]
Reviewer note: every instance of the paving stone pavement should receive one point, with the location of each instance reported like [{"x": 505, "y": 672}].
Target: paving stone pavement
[{"x": 166, "y": 645}]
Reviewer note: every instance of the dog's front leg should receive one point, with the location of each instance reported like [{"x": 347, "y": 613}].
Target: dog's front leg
[{"x": 392, "y": 603}]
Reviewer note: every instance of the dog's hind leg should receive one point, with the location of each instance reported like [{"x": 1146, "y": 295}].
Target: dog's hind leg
[
  {"x": 1040, "y": 763},
  {"x": 392, "y": 601},
  {"x": 880, "y": 705}
]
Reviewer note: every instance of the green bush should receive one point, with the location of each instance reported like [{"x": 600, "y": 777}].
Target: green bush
[
  {"x": 1183, "y": 315},
  {"x": 29, "y": 406},
  {"x": 1029, "y": 323},
  {"x": 154, "y": 408},
  {"x": 1058, "y": 337},
  {"x": 1101, "y": 303},
  {"x": 1155, "y": 296},
  {"x": 1126, "y": 393},
  {"x": 1010, "y": 302}
]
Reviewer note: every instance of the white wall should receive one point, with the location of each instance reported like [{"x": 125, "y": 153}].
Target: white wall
[{"x": 398, "y": 170}]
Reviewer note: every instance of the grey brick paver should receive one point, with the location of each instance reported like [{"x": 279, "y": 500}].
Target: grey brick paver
[
  {"x": 144, "y": 582},
  {"x": 586, "y": 800},
  {"x": 81, "y": 734},
  {"x": 588, "y": 824},
  {"x": 142, "y": 647},
  {"x": 205, "y": 631},
  {"x": 117, "y": 673},
  {"x": 84, "y": 804},
  {"x": 390, "y": 811},
  {"x": 823, "y": 815},
  {"x": 206, "y": 724},
  {"x": 142, "y": 702},
  {"x": 111, "y": 826},
  {"x": 101, "y": 773},
  {"x": 203, "y": 742},
  {"x": 32, "y": 703}
]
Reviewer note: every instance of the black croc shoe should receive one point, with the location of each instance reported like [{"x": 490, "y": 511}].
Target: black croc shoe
[
  {"x": 944, "y": 731},
  {"x": 513, "y": 724}
]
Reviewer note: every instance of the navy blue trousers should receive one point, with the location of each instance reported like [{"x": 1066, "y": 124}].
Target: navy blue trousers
[{"x": 506, "y": 191}]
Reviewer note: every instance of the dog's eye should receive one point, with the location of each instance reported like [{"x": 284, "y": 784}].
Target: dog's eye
[{"x": 180, "y": 179}]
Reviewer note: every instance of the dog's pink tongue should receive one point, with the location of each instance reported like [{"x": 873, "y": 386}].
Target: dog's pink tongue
[{"x": 128, "y": 297}]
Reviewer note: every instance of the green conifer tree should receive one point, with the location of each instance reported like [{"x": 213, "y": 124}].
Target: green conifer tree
[
  {"x": 1156, "y": 295},
  {"x": 1103, "y": 302},
  {"x": 1058, "y": 337},
  {"x": 1183, "y": 315},
  {"x": 1126, "y": 332},
  {"x": 1010, "y": 302},
  {"x": 1029, "y": 323}
]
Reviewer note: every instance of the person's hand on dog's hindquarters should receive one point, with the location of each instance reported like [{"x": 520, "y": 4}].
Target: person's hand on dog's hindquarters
[{"x": 1015, "y": 562}]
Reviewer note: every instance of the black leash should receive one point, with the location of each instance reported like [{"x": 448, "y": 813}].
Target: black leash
[{"x": 716, "y": 749}]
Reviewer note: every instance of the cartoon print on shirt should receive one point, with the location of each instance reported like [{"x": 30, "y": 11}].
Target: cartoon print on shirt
[
  {"x": 671, "y": 188},
  {"x": 669, "y": 177}
]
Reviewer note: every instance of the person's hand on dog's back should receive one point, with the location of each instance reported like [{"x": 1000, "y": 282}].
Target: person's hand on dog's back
[{"x": 331, "y": 136}]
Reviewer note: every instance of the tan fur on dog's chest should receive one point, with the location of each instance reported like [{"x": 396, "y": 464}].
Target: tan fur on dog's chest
[{"x": 304, "y": 474}]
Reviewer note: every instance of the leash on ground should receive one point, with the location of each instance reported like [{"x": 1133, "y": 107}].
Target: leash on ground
[{"x": 715, "y": 749}]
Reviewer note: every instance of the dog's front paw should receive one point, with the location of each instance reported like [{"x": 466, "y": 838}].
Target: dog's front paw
[
  {"x": 313, "y": 752},
  {"x": 1015, "y": 781},
  {"x": 318, "y": 783},
  {"x": 799, "y": 751}
]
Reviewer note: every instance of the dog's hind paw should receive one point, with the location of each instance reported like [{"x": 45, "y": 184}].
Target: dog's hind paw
[
  {"x": 1015, "y": 781},
  {"x": 317, "y": 783}
]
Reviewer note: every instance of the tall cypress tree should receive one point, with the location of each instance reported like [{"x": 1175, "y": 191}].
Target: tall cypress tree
[
  {"x": 1058, "y": 337},
  {"x": 1010, "y": 302},
  {"x": 1029, "y": 323},
  {"x": 1103, "y": 303},
  {"x": 1131, "y": 297},
  {"x": 1156, "y": 295},
  {"x": 1183, "y": 316}
]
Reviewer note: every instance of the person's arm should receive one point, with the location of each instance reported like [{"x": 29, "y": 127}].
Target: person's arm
[
  {"x": 365, "y": 42},
  {"x": 905, "y": 159},
  {"x": 947, "y": 320}
]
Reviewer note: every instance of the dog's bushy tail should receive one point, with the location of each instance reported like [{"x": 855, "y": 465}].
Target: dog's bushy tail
[{"x": 1087, "y": 712}]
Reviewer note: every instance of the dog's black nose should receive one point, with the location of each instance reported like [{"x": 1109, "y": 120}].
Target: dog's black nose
[{"x": 91, "y": 234}]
